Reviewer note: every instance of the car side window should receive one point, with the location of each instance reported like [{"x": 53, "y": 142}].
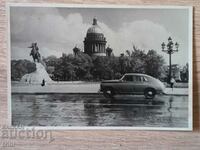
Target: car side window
[
  {"x": 134, "y": 78},
  {"x": 128, "y": 78},
  {"x": 137, "y": 79}
]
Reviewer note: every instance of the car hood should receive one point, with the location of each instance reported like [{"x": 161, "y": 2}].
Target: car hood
[{"x": 110, "y": 81}]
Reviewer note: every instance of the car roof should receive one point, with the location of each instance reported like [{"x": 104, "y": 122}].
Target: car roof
[{"x": 138, "y": 74}]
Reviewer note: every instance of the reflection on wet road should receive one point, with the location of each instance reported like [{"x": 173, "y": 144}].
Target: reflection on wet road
[{"x": 95, "y": 110}]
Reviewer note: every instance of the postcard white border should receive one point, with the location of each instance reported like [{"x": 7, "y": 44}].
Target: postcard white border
[{"x": 190, "y": 51}]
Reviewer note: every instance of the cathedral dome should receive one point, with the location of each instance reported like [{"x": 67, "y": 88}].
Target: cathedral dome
[
  {"x": 95, "y": 42},
  {"x": 95, "y": 28}
]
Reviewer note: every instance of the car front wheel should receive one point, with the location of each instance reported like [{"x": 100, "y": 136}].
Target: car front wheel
[{"x": 149, "y": 93}]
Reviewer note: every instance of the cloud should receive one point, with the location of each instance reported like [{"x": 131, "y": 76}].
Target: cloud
[
  {"x": 144, "y": 34},
  {"x": 50, "y": 30},
  {"x": 56, "y": 34}
]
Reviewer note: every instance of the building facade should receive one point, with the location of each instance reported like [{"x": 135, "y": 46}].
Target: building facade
[
  {"x": 95, "y": 42},
  {"x": 175, "y": 72}
]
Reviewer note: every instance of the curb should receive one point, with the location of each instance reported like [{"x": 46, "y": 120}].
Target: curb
[
  {"x": 175, "y": 94},
  {"x": 43, "y": 93}
]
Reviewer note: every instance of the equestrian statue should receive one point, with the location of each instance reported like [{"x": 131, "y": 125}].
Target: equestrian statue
[{"x": 35, "y": 52}]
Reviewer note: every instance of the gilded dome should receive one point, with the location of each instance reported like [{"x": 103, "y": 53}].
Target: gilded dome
[{"x": 95, "y": 28}]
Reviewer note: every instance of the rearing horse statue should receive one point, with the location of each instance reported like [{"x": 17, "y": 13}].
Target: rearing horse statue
[{"x": 35, "y": 52}]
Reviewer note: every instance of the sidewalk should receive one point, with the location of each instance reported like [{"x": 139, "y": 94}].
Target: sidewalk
[
  {"x": 176, "y": 91},
  {"x": 82, "y": 88}
]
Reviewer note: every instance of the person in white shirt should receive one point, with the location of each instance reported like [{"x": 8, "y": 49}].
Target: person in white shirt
[{"x": 172, "y": 82}]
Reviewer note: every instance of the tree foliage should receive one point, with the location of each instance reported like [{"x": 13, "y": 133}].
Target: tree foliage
[
  {"x": 81, "y": 66},
  {"x": 20, "y": 68}
]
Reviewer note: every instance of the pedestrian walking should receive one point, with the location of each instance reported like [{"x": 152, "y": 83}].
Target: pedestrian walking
[{"x": 172, "y": 82}]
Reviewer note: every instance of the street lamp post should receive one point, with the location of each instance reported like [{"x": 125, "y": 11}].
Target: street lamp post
[{"x": 169, "y": 50}]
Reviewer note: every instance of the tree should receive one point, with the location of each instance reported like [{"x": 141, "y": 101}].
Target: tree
[
  {"x": 122, "y": 62},
  {"x": 128, "y": 53},
  {"x": 81, "y": 66},
  {"x": 21, "y": 67},
  {"x": 138, "y": 61},
  {"x": 135, "y": 61},
  {"x": 83, "y": 63},
  {"x": 50, "y": 60},
  {"x": 154, "y": 64}
]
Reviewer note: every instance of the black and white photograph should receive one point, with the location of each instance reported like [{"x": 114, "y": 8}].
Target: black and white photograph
[{"x": 100, "y": 66}]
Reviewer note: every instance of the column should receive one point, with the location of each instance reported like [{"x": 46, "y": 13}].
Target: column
[
  {"x": 92, "y": 48},
  {"x": 100, "y": 48}
]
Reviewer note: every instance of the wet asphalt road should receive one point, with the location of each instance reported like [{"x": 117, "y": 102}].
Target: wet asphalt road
[{"x": 95, "y": 110}]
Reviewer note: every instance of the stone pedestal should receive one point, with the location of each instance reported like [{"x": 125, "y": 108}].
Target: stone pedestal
[{"x": 37, "y": 76}]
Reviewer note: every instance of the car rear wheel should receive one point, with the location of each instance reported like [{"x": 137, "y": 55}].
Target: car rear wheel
[
  {"x": 108, "y": 93},
  {"x": 149, "y": 93}
]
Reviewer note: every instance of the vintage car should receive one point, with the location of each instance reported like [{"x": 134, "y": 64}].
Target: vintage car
[{"x": 133, "y": 83}]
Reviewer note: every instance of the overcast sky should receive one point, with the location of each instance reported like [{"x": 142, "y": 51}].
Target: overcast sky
[{"x": 59, "y": 30}]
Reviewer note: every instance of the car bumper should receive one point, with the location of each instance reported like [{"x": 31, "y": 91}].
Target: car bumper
[{"x": 160, "y": 91}]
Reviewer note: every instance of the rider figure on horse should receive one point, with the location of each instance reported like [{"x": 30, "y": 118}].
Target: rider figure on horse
[{"x": 35, "y": 52}]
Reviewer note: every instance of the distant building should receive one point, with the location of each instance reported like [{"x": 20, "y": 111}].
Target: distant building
[
  {"x": 185, "y": 73},
  {"x": 175, "y": 72},
  {"x": 95, "y": 42}
]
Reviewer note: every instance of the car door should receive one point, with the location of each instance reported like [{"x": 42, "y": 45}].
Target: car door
[
  {"x": 138, "y": 84},
  {"x": 126, "y": 84},
  {"x": 141, "y": 83},
  {"x": 131, "y": 84}
]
